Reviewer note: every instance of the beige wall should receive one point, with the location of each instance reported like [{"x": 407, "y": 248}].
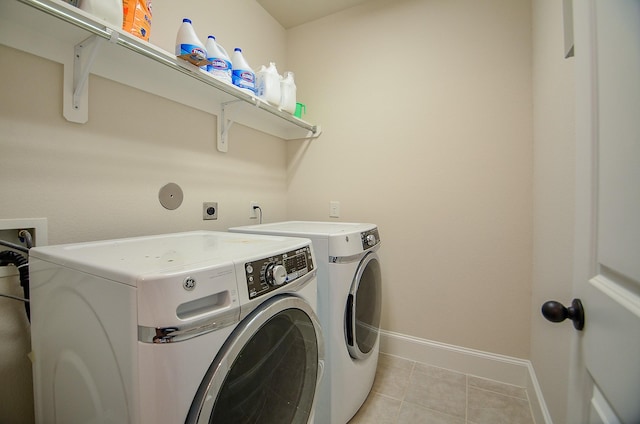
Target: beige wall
[
  {"x": 427, "y": 111},
  {"x": 101, "y": 179},
  {"x": 554, "y": 175}
]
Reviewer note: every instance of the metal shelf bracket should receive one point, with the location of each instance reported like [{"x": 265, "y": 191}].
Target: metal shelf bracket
[
  {"x": 224, "y": 124},
  {"x": 314, "y": 134},
  {"x": 84, "y": 55}
]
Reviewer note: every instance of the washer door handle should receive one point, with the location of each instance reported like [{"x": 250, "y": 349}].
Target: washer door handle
[{"x": 349, "y": 319}]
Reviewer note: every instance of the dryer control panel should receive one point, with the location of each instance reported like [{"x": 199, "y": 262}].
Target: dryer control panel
[
  {"x": 268, "y": 274},
  {"x": 370, "y": 238}
]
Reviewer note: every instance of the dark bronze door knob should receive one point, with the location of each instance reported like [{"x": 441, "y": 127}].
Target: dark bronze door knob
[{"x": 557, "y": 312}]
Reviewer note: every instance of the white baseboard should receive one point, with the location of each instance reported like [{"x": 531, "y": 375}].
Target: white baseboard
[{"x": 505, "y": 369}]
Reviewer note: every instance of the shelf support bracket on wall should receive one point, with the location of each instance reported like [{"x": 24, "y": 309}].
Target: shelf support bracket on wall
[
  {"x": 224, "y": 124},
  {"x": 76, "y": 107},
  {"x": 311, "y": 135}
]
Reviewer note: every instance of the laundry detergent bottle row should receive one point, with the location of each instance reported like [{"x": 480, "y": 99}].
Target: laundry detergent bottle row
[
  {"x": 188, "y": 45},
  {"x": 242, "y": 75},
  {"x": 220, "y": 66}
]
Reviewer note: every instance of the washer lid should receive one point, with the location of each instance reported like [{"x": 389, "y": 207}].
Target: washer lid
[
  {"x": 344, "y": 238},
  {"x": 131, "y": 259},
  {"x": 307, "y": 228}
]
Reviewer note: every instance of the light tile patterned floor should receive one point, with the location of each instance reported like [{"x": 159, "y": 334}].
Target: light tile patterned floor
[{"x": 408, "y": 392}]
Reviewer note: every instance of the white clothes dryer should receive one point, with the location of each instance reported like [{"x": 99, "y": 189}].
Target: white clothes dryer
[
  {"x": 349, "y": 303},
  {"x": 196, "y": 327}
]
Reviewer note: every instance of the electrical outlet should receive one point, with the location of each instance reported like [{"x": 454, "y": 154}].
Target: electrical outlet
[
  {"x": 253, "y": 212},
  {"x": 334, "y": 209},
  {"x": 210, "y": 210}
]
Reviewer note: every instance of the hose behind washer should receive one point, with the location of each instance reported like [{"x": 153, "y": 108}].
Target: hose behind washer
[{"x": 10, "y": 257}]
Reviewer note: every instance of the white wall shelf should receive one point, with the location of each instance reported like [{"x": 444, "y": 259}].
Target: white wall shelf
[{"x": 57, "y": 31}]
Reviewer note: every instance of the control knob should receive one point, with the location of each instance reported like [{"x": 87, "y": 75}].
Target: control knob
[
  {"x": 275, "y": 275},
  {"x": 370, "y": 239}
]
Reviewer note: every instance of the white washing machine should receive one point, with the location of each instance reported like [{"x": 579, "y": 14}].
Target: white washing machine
[
  {"x": 349, "y": 302},
  {"x": 196, "y": 327}
]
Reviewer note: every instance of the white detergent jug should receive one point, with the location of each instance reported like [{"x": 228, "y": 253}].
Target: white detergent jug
[
  {"x": 242, "y": 75},
  {"x": 288, "y": 93},
  {"x": 268, "y": 84},
  {"x": 260, "y": 80},
  {"x": 107, "y": 10},
  {"x": 188, "y": 45},
  {"x": 220, "y": 66}
]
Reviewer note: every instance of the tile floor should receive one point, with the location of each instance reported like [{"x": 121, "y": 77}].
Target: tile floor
[{"x": 408, "y": 392}]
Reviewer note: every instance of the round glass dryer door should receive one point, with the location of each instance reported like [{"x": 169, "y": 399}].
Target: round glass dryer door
[
  {"x": 268, "y": 369},
  {"x": 362, "y": 318}
]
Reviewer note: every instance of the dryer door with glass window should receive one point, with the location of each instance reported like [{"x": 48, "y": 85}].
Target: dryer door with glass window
[
  {"x": 362, "y": 317},
  {"x": 268, "y": 369}
]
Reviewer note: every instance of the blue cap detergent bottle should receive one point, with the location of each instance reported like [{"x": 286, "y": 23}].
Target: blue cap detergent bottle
[
  {"x": 242, "y": 75},
  {"x": 188, "y": 45},
  {"x": 220, "y": 64}
]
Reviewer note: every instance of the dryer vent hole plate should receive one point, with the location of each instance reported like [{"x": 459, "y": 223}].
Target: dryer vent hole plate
[{"x": 171, "y": 196}]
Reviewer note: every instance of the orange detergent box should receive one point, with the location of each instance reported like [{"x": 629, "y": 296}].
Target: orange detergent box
[{"x": 137, "y": 18}]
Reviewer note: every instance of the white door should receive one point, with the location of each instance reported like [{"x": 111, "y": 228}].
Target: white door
[{"x": 605, "y": 377}]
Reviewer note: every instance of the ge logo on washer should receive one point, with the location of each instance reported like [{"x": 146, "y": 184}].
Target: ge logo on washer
[{"x": 189, "y": 283}]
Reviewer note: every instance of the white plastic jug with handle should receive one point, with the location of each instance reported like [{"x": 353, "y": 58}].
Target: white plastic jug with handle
[
  {"x": 220, "y": 66},
  {"x": 107, "y": 10},
  {"x": 242, "y": 75},
  {"x": 188, "y": 45},
  {"x": 268, "y": 84},
  {"x": 288, "y": 93}
]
